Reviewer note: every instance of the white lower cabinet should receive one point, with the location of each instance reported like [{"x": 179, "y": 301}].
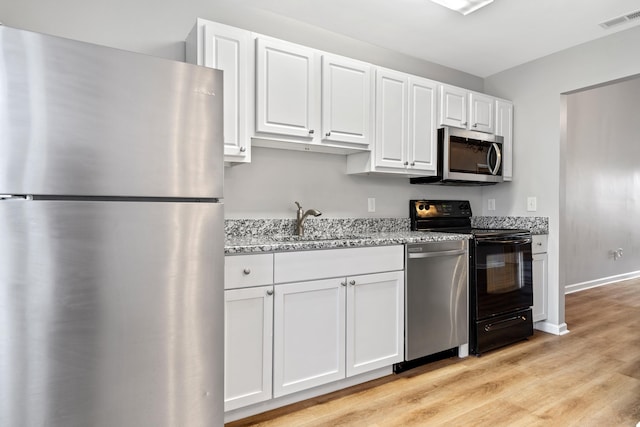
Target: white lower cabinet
[
  {"x": 375, "y": 321},
  {"x": 308, "y": 335},
  {"x": 248, "y": 326},
  {"x": 326, "y": 330},
  {"x": 331, "y": 314},
  {"x": 540, "y": 280}
]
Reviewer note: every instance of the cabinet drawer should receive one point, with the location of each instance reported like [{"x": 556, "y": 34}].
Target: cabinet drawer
[
  {"x": 242, "y": 271},
  {"x": 312, "y": 265},
  {"x": 539, "y": 244}
]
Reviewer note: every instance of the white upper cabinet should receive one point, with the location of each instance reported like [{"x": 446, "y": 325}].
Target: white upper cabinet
[
  {"x": 391, "y": 119},
  {"x": 228, "y": 49},
  {"x": 285, "y": 91},
  {"x": 346, "y": 100},
  {"x": 453, "y": 106},
  {"x": 406, "y": 134},
  {"x": 309, "y": 100},
  {"x": 504, "y": 128},
  {"x": 481, "y": 112},
  {"x": 465, "y": 109},
  {"x": 423, "y": 136}
]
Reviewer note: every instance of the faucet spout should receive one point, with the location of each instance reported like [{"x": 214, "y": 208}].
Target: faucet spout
[{"x": 301, "y": 216}]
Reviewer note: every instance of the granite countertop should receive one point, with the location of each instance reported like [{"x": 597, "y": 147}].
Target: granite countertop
[
  {"x": 270, "y": 243},
  {"x": 276, "y": 235}
]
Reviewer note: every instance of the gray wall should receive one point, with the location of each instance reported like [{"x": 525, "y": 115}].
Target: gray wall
[
  {"x": 536, "y": 89},
  {"x": 268, "y": 186},
  {"x": 602, "y": 182},
  {"x": 159, "y": 27}
]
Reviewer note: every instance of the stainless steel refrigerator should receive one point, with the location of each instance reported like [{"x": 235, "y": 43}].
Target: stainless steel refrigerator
[{"x": 111, "y": 237}]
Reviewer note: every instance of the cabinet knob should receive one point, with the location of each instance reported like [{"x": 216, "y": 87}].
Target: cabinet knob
[
  {"x": 406, "y": 163},
  {"x": 352, "y": 282},
  {"x": 243, "y": 149},
  {"x": 539, "y": 243},
  {"x": 328, "y": 134},
  {"x": 413, "y": 163},
  {"x": 270, "y": 292},
  {"x": 464, "y": 123},
  {"x": 246, "y": 271},
  {"x": 343, "y": 283},
  {"x": 311, "y": 131},
  {"x": 475, "y": 125}
]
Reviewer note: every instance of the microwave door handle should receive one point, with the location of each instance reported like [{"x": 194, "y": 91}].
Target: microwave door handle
[{"x": 496, "y": 168}]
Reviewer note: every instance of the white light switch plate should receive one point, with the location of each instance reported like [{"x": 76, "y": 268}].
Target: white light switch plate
[
  {"x": 371, "y": 204},
  {"x": 532, "y": 203}
]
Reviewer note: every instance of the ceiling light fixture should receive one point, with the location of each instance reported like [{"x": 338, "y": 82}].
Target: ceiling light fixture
[{"x": 465, "y": 7}]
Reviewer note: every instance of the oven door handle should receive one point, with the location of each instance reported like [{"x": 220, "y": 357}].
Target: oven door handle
[
  {"x": 437, "y": 254},
  {"x": 501, "y": 324},
  {"x": 488, "y": 240}
]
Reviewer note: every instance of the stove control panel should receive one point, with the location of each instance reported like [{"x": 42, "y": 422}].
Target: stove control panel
[{"x": 420, "y": 209}]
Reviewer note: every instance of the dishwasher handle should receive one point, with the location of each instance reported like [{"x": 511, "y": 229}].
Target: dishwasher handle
[{"x": 437, "y": 254}]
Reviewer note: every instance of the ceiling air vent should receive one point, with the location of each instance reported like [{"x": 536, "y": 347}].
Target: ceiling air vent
[{"x": 620, "y": 20}]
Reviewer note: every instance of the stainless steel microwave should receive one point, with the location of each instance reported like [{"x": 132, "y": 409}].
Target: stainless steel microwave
[{"x": 466, "y": 157}]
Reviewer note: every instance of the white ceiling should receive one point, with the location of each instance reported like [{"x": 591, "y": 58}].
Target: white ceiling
[{"x": 502, "y": 35}]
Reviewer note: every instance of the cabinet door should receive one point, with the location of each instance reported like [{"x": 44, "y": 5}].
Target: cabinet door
[
  {"x": 285, "y": 98},
  {"x": 481, "y": 113},
  {"x": 309, "y": 334},
  {"x": 423, "y": 134},
  {"x": 248, "y": 327},
  {"x": 375, "y": 321},
  {"x": 453, "y": 106},
  {"x": 227, "y": 48},
  {"x": 346, "y": 100},
  {"x": 504, "y": 128},
  {"x": 539, "y": 287},
  {"x": 391, "y": 119}
]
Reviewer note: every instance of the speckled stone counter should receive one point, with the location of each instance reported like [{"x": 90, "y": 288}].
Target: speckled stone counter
[
  {"x": 274, "y": 243},
  {"x": 537, "y": 224},
  {"x": 313, "y": 226},
  {"x": 276, "y": 235}
]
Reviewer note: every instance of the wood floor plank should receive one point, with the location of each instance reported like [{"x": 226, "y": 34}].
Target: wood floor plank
[{"x": 589, "y": 377}]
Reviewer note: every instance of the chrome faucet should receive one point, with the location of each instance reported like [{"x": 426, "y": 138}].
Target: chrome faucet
[{"x": 302, "y": 216}]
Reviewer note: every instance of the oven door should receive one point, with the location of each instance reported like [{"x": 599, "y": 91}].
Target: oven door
[{"x": 502, "y": 275}]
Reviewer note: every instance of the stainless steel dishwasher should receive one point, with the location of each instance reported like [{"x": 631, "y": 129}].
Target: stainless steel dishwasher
[{"x": 436, "y": 298}]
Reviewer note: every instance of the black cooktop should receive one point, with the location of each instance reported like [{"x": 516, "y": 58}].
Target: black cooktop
[{"x": 451, "y": 216}]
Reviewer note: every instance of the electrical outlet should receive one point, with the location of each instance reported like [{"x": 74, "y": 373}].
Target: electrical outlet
[
  {"x": 491, "y": 205},
  {"x": 371, "y": 204},
  {"x": 532, "y": 204}
]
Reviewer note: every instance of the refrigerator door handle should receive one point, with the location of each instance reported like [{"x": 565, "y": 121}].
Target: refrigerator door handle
[{"x": 16, "y": 197}]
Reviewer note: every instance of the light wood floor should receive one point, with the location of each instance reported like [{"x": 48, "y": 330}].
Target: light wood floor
[{"x": 589, "y": 377}]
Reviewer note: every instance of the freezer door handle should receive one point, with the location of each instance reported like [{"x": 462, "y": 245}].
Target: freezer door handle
[{"x": 15, "y": 197}]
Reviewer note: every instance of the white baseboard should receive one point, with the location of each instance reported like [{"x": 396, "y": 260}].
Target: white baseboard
[
  {"x": 600, "y": 282},
  {"x": 551, "y": 328}
]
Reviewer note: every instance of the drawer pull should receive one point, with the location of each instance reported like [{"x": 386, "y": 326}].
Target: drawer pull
[
  {"x": 270, "y": 292},
  {"x": 246, "y": 271},
  {"x": 352, "y": 282}
]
